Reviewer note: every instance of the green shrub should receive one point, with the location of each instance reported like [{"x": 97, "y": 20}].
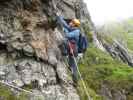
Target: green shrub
[
  {"x": 7, "y": 94},
  {"x": 98, "y": 67}
]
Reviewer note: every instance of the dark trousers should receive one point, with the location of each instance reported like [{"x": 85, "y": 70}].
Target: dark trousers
[
  {"x": 66, "y": 52},
  {"x": 73, "y": 67}
]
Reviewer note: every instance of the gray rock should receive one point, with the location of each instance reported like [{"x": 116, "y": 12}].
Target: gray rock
[
  {"x": 71, "y": 94},
  {"x": 117, "y": 50},
  {"x": 27, "y": 31},
  {"x": 52, "y": 57},
  {"x": 26, "y": 76},
  {"x": 18, "y": 82},
  {"x": 4, "y": 69},
  {"x": 35, "y": 66},
  {"x": 17, "y": 45},
  {"x": 40, "y": 54},
  {"x": 112, "y": 94},
  {"x": 118, "y": 95},
  {"x": 3, "y": 58},
  {"x": 37, "y": 95},
  {"x": 106, "y": 93},
  {"x": 12, "y": 74},
  {"x": 62, "y": 73},
  {"x": 50, "y": 74},
  {"x": 2, "y": 73},
  {"x": 40, "y": 79},
  {"x": 23, "y": 64},
  {"x": 28, "y": 50},
  {"x": 58, "y": 36}
]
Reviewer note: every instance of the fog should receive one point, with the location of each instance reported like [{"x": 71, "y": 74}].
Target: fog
[{"x": 102, "y": 11}]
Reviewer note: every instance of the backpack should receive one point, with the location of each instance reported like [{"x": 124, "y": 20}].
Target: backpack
[{"x": 82, "y": 44}]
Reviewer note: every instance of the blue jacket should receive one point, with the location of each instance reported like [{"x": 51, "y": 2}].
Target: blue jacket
[{"x": 70, "y": 33}]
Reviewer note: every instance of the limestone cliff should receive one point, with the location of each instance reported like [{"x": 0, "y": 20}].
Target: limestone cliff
[{"x": 29, "y": 40}]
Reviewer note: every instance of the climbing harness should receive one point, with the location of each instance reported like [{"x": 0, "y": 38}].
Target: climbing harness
[{"x": 84, "y": 86}]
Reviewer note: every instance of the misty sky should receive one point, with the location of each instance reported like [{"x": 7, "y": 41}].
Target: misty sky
[{"x": 108, "y": 10}]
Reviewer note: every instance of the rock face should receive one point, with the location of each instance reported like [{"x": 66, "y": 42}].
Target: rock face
[
  {"x": 117, "y": 50},
  {"x": 29, "y": 46},
  {"x": 110, "y": 94}
]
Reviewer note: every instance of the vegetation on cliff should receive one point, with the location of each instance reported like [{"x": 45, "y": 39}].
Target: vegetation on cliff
[{"x": 102, "y": 73}]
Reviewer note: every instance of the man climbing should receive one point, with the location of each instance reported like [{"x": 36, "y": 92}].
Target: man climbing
[{"x": 72, "y": 34}]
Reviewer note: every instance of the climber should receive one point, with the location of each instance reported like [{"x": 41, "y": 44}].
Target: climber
[{"x": 72, "y": 34}]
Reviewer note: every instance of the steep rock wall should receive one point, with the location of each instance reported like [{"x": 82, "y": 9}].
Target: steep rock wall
[{"x": 29, "y": 46}]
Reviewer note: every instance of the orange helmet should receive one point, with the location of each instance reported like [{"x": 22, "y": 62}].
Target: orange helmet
[{"x": 76, "y": 22}]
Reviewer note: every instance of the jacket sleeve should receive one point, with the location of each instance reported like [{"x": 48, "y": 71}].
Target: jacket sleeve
[
  {"x": 63, "y": 22},
  {"x": 73, "y": 34}
]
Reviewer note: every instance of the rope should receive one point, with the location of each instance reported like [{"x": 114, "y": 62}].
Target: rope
[
  {"x": 18, "y": 88},
  {"x": 84, "y": 86},
  {"x": 67, "y": 66}
]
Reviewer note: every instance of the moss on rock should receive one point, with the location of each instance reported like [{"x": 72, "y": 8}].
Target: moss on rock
[{"x": 7, "y": 94}]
